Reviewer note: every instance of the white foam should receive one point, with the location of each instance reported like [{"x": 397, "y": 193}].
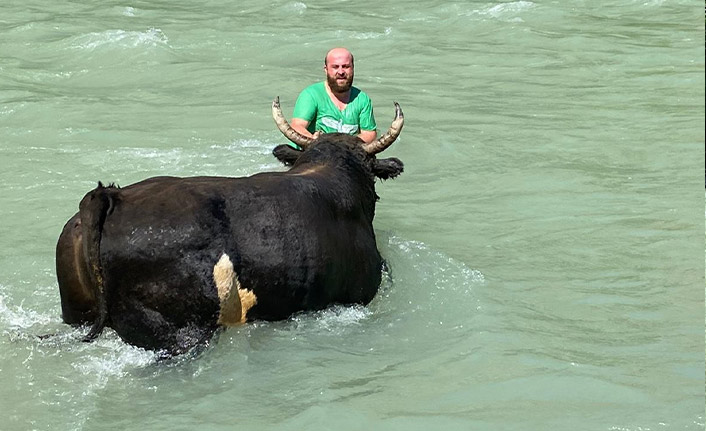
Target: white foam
[
  {"x": 334, "y": 320},
  {"x": 172, "y": 155},
  {"x": 121, "y": 38},
  {"x": 338, "y": 317},
  {"x": 448, "y": 269},
  {"x": 109, "y": 357},
  {"x": 18, "y": 318},
  {"x": 504, "y": 11},
  {"x": 262, "y": 146},
  {"x": 296, "y": 7},
  {"x": 514, "y": 7},
  {"x": 5, "y": 110},
  {"x": 364, "y": 35}
]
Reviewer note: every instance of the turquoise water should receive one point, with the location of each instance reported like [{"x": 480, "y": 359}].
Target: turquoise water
[{"x": 545, "y": 240}]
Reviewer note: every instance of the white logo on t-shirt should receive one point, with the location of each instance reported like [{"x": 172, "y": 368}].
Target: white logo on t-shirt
[{"x": 339, "y": 126}]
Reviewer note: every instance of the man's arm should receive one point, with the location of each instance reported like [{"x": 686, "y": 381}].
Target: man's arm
[
  {"x": 300, "y": 125},
  {"x": 366, "y": 121},
  {"x": 368, "y": 136},
  {"x": 304, "y": 113}
]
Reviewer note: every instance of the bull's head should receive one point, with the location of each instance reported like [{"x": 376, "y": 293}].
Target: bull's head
[{"x": 381, "y": 168}]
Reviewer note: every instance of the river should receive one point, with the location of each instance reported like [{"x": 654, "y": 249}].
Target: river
[{"x": 545, "y": 239}]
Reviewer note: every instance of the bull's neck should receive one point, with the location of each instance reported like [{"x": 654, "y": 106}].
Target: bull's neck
[{"x": 347, "y": 184}]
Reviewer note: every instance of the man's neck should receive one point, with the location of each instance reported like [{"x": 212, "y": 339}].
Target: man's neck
[{"x": 343, "y": 97}]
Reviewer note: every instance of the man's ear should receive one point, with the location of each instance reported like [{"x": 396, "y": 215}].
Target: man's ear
[
  {"x": 286, "y": 154},
  {"x": 386, "y": 169}
]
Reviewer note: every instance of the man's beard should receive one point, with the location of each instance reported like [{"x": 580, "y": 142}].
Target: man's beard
[{"x": 333, "y": 84}]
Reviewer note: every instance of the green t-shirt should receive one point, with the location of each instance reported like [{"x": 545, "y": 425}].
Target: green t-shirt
[{"x": 315, "y": 106}]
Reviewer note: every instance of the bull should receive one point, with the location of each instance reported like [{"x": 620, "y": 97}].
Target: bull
[{"x": 167, "y": 261}]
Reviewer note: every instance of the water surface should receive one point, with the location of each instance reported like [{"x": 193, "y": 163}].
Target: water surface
[{"x": 545, "y": 240}]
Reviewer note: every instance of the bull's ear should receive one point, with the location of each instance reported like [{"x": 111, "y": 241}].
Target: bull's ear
[
  {"x": 388, "y": 168},
  {"x": 286, "y": 154}
]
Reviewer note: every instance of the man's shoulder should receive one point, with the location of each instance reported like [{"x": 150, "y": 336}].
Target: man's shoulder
[
  {"x": 309, "y": 101},
  {"x": 315, "y": 88},
  {"x": 359, "y": 96}
]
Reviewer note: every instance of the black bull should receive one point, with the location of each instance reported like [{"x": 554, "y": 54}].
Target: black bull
[{"x": 166, "y": 261}]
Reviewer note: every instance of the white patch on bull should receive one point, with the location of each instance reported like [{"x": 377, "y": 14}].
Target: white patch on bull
[
  {"x": 234, "y": 300},
  {"x": 247, "y": 301},
  {"x": 308, "y": 171}
]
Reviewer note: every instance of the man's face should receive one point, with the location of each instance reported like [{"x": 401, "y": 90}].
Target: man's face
[{"x": 339, "y": 72}]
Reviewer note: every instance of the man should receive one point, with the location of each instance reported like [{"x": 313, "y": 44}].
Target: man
[{"x": 335, "y": 105}]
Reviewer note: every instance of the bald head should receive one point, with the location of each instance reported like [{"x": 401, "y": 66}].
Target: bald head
[{"x": 338, "y": 55}]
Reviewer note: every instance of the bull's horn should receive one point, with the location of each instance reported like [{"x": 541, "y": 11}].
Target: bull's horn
[
  {"x": 286, "y": 129},
  {"x": 389, "y": 137}
]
